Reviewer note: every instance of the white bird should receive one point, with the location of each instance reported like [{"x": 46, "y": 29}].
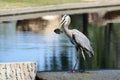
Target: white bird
[{"x": 80, "y": 41}]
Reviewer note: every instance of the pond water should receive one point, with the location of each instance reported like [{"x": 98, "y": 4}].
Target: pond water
[
  {"x": 50, "y": 51},
  {"x": 53, "y": 52}
]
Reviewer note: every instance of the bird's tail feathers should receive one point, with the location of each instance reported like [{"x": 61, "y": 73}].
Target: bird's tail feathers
[{"x": 91, "y": 54}]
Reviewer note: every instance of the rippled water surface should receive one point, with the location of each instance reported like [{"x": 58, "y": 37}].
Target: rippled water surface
[
  {"x": 55, "y": 52},
  {"x": 50, "y": 51}
]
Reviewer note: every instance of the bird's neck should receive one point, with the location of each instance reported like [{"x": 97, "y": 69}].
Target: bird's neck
[{"x": 66, "y": 30}]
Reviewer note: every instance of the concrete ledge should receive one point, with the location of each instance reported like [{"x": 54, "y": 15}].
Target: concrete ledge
[
  {"x": 18, "y": 71},
  {"x": 89, "y": 75}
]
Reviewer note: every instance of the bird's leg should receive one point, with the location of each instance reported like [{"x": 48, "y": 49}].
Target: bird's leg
[
  {"x": 77, "y": 60},
  {"x": 84, "y": 63}
]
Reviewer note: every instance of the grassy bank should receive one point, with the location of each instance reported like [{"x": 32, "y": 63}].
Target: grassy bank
[{"x": 8, "y": 4}]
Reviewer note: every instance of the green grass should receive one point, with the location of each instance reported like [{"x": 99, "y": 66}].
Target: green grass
[{"x": 8, "y": 4}]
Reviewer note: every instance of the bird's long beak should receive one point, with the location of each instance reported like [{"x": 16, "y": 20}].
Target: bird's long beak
[
  {"x": 59, "y": 29},
  {"x": 61, "y": 23}
]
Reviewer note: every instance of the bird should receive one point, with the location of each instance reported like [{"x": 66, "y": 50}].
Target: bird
[{"x": 79, "y": 40}]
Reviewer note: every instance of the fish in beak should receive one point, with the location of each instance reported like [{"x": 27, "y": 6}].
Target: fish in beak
[{"x": 58, "y": 30}]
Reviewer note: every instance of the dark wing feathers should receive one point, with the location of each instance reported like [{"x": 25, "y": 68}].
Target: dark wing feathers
[{"x": 81, "y": 40}]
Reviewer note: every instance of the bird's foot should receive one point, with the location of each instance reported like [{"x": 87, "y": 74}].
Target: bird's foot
[
  {"x": 82, "y": 71},
  {"x": 76, "y": 71},
  {"x": 79, "y": 71},
  {"x": 73, "y": 71}
]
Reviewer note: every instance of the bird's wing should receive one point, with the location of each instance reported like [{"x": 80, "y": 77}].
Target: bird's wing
[{"x": 82, "y": 41}]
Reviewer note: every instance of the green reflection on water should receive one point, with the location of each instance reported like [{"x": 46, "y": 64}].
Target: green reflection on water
[{"x": 105, "y": 41}]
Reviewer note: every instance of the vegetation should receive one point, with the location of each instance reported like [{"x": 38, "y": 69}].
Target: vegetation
[{"x": 8, "y": 4}]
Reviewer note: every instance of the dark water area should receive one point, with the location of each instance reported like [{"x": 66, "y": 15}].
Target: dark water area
[{"x": 55, "y": 52}]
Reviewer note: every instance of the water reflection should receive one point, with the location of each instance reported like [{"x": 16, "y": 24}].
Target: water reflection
[
  {"x": 55, "y": 52},
  {"x": 50, "y": 51},
  {"x": 42, "y": 25}
]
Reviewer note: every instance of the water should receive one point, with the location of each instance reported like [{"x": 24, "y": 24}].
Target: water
[
  {"x": 53, "y": 52},
  {"x": 49, "y": 51}
]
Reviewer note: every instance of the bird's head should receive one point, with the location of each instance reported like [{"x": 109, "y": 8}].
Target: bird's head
[{"x": 64, "y": 21}]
